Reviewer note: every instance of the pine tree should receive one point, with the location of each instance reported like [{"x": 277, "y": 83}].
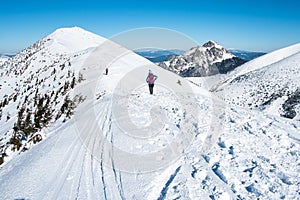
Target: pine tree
[
  {"x": 28, "y": 125},
  {"x": 26, "y": 98},
  {"x": 15, "y": 97},
  {"x": 20, "y": 125},
  {"x": 20, "y": 113},
  {"x": 47, "y": 117},
  {"x": 65, "y": 105},
  {"x": 80, "y": 77},
  {"x": 53, "y": 72},
  {"x": 73, "y": 82},
  {"x": 7, "y": 117},
  {"x": 5, "y": 102},
  {"x": 47, "y": 100},
  {"x": 41, "y": 102},
  {"x": 27, "y": 121},
  {"x": 15, "y": 140},
  {"x": 39, "y": 113}
]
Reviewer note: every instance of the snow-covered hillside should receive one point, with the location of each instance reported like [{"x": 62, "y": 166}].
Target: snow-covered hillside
[
  {"x": 35, "y": 86},
  {"x": 269, "y": 83},
  {"x": 258, "y": 63},
  {"x": 120, "y": 142},
  {"x": 206, "y": 60},
  {"x": 3, "y": 58}
]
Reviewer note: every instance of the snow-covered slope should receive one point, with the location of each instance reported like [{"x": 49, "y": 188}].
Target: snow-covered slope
[
  {"x": 253, "y": 158},
  {"x": 209, "y": 59},
  {"x": 3, "y": 58},
  {"x": 260, "y": 62},
  {"x": 73, "y": 40},
  {"x": 234, "y": 153},
  {"x": 268, "y": 85},
  {"x": 35, "y": 86}
]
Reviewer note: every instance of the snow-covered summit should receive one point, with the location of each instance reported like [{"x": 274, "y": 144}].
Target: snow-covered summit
[
  {"x": 74, "y": 39},
  {"x": 219, "y": 53},
  {"x": 48, "y": 69},
  {"x": 208, "y": 59},
  {"x": 211, "y": 44}
]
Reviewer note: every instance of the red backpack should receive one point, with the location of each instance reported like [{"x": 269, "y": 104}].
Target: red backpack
[{"x": 151, "y": 78}]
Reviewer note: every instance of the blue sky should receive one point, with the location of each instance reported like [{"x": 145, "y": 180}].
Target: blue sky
[{"x": 249, "y": 25}]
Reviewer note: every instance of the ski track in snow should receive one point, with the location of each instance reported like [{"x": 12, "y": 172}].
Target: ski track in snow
[
  {"x": 167, "y": 184},
  {"x": 73, "y": 153},
  {"x": 70, "y": 180}
]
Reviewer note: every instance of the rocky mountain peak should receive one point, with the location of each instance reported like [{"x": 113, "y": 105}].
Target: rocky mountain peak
[
  {"x": 208, "y": 59},
  {"x": 210, "y": 43}
]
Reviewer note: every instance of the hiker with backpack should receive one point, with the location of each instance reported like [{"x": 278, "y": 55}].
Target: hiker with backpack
[{"x": 150, "y": 80}]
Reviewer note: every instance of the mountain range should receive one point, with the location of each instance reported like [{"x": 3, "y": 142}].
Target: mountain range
[
  {"x": 68, "y": 131},
  {"x": 158, "y": 55},
  {"x": 246, "y": 55}
]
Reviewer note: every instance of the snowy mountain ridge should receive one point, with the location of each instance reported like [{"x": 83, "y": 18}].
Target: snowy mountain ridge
[
  {"x": 35, "y": 84},
  {"x": 63, "y": 40},
  {"x": 260, "y": 62},
  {"x": 208, "y": 59},
  {"x": 272, "y": 87},
  {"x": 235, "y": 153}
]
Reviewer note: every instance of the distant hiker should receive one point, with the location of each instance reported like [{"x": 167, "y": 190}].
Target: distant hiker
[
  {"x": 179, "y": 82},
  {"x": 150, "y": 80},
  {"x": 106, "y": 71}
]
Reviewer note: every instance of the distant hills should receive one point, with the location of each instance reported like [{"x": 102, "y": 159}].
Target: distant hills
[
  {"x": 246, "y": 55},
  {"x": 4, "y": 55},
  {"x": 158, "y": 55}
]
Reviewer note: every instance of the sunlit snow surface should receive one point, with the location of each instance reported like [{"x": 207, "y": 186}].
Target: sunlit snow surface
[{"x": 236, "y": 153}]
